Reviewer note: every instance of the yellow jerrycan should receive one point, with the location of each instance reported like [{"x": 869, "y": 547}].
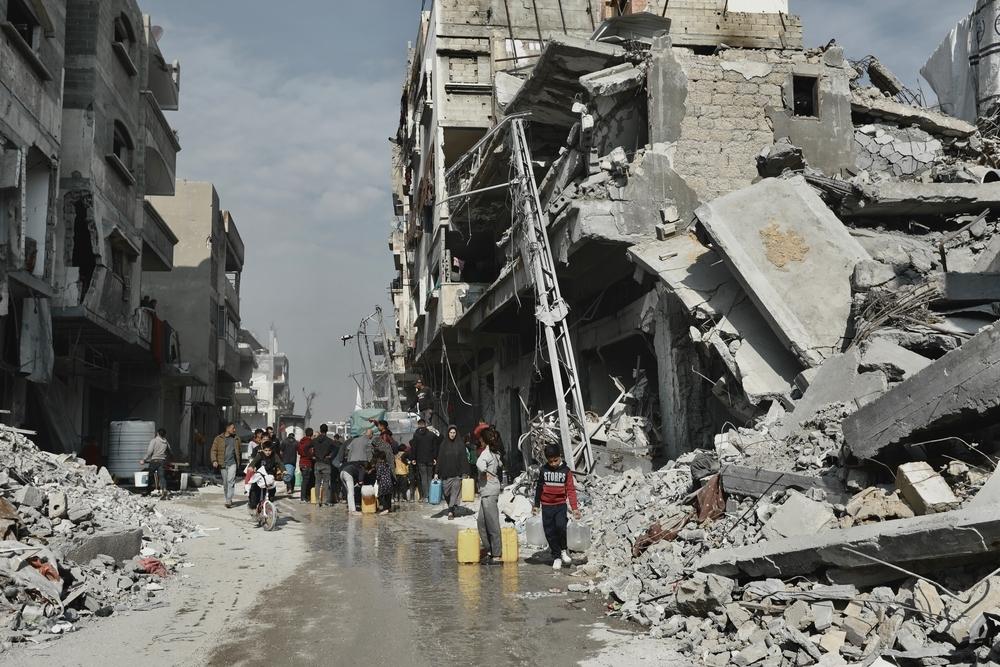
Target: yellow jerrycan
[
  {"x": 508, "y": 540},
  {"x": 468, "y": 545},
  {"x": 468, "y": 490}
]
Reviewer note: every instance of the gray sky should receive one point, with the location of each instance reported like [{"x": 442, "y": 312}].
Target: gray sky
[{"x": 287, "y": 107}]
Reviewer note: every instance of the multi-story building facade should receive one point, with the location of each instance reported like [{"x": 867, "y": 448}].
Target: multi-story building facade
[
  {"x": 208, "y": 262},
  {"x": 32, "y": 43},
  {"x": 270, "y": 384}
]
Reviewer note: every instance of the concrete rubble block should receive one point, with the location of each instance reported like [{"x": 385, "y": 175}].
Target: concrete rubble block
[
  {"x": 755, "y": 482},
  {"x": 924, "y": 489},
  {"x": 832, "y": 640},
  {"x": 982, "y": 598},
  {"x": 914, "y": 198},
  {"x": 798, "y": 615},
  {"x": 877, "y": 504},
  {"x": 989, "y": 493},
  {"x": 613, "y": 80},
  {"x": 895, "y": 361},
  {"x": 57, "y": 505},
  {"x": 79, "y": 511},
  {"x": 783, "y": 156},
  {"x": 884, "y": 78},
  {"x": 966, "y": 534},
  {"x": 798, "y": 515},
  {"x": 958, "y": 387},
  {"x": 30, "y": 496},
  {"x": 122, "y": 545},
  {"x": 751, "y": 655},
  {"x": 701, "y": 594},
  {"x": 822, "y": 615},
  {"x": 869, "y": 273},
  {"x": 793, "y": 257}
]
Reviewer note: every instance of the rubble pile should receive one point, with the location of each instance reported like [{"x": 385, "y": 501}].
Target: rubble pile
[{"x": 72, "y": 544}]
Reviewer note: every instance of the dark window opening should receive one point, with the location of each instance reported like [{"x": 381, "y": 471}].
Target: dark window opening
[
  {"x": 122, "y": 145},
  {"x": 806, "y": 96},
  {"x": 83, "y": 252},
  {"x": 121, "y": 269},
  {"x": 124, "y": 34},
  {"x": 24, "y": 21}
]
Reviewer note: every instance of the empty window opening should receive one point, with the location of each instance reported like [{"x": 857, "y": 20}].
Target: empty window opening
[
  {"x": 121, "y": 269},
  {"x": 805, "y": 95},
  {"x": 122, "y": 145},
  {"x": 124, "y": 33},
  {"x": 83, "y": 256},
  {"x": 24, "y": 20}
]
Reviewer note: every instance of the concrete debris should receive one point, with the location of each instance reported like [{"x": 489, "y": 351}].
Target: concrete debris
[
  {"x": 924, "y": 489},
  {"x": 778, "y": 228},
  {"x": 69, "y": 542},
  {"x": 812, "y": 264},
  {"x": 960, "y": 386}
]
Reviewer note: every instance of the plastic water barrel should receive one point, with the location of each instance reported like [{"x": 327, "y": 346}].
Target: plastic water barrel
[
  {"x": 534, "y": 533},
  {"x": 468, "y": 490},
  {"x": 468, "y": 545},
  {"x": 577, "y": 536},
  {"x": 436, "y": 492},
  {"x": 508, "y": 541},
  {"x": 128, "y": 443}
]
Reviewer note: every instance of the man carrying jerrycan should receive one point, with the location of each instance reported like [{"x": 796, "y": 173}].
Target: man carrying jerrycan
[{"x": 555, "y": 487}]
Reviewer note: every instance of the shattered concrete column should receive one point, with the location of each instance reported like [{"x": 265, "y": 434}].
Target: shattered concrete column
[{"x": 683, "y": 394}]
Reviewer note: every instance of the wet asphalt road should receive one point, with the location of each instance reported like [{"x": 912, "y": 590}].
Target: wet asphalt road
[{"x": 387, "y": 590}]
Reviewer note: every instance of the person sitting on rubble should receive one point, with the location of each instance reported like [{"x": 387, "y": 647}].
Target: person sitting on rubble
[
  {"x": 267, "y": 459},
  {"x": 555, "y": 487}
]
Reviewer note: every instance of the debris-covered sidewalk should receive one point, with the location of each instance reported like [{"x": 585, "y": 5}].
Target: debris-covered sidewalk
[{"x": 72, "y": 544}]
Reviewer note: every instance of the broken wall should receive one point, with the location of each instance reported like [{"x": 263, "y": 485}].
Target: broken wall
[{"x": 718, "y": 111}]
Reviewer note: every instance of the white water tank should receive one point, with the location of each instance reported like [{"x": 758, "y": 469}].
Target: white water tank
[{"x": 128, "y": 444}]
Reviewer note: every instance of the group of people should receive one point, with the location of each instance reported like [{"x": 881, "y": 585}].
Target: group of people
[{"x": 376, "y": 464}]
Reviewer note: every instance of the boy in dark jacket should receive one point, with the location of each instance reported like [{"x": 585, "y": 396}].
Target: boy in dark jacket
[
  {"x": 289, "y": 454},
  {"x": 423, "y": 456},
  {"x": 555, "y": 487}
]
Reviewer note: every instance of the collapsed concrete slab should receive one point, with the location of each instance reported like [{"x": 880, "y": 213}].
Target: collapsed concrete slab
[
  {"x": 554, "y": 83},
  {"x": 908, "y": 543},
  {"x": 755, "y": 482},
  {"x": 959, "y": 386},
  {"x": 971, "y": 288},
  {"x": 798, "y": 515},
  {"x": 708, "y": 291},
  {"x": 836, "y": 381},
  {"x": 912, "y": 198},
  {"x": 881, "y": 108},
  {"x": 793, "y": 257},
  {"x": 895, "y": 361}
]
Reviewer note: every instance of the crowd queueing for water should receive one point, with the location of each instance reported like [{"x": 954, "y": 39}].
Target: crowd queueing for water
[{"x": 373, "y": 471}]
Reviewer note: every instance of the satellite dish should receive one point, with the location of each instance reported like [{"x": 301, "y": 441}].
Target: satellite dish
[{"x": 157, "y": 31}]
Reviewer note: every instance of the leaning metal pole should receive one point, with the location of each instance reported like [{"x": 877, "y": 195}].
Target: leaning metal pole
[{"x": 550, "y": 308}]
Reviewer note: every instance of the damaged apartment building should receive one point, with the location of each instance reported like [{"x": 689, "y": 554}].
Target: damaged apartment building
[
  {"x": 88, "y": 156},
  {"x": 731, "y": 217}
]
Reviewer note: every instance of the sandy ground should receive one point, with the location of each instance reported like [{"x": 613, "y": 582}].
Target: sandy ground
[{"x": 332, "y": 589}]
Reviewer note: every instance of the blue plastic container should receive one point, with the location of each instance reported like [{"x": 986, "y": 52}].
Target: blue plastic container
[{"x": 437, "y": 490}]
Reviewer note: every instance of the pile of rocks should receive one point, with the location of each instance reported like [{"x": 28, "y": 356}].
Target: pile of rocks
[
  {"x": 72, "y": 544},
  {"x": 672, "y": 551}
]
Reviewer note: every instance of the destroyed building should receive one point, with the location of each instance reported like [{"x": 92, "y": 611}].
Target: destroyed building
[{"x": 778, "y": 272}]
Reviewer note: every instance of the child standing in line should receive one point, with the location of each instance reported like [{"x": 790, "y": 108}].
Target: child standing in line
[
  {"x": 384, "y": 479},
  {"x": 555, "y": 487},
  {"x": 402, "y": 471}
]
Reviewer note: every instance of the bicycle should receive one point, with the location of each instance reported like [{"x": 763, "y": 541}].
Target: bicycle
[{"x": 266, "y": 513}]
